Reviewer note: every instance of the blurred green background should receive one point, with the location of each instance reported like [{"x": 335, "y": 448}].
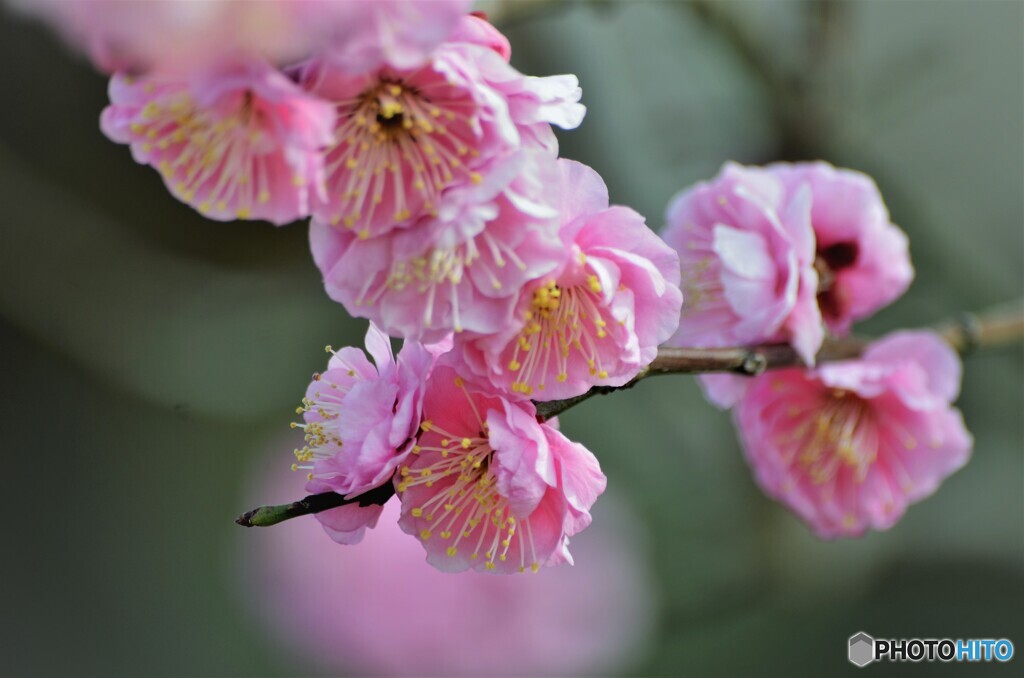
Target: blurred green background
[{"x": 149, "y": 354}]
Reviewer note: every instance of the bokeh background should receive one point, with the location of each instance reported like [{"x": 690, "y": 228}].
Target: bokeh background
[{"x": 151, "y": 358}]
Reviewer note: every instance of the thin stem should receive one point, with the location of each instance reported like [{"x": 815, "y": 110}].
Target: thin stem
[
  {"x": 968, "y": 332},
  {"x": 265, "y": 516},
  {"x": 747, "y": 362}
]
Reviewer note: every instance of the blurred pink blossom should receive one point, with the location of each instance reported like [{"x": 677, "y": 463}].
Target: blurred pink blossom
[
  {"x": 849, "y": 445},
  {"x": 746, "y": 249},
  {"x": 240, "y": 141},
  {"x": 861, "y": 257},
  {"x": 174, "y": 36},
  {"x": 360, "y": 36},
  {"x": 179, "y": 36},
  {"x": 596, "y": 320},
  {"x": 487, "y": 487},
  {"x": 459, "y": 271},
  {"x": 380, "y": 610},
  {"x": 359, "y": 422},
  {"x": 475, "y": 28},
  {"x": 407, "y": 139}
]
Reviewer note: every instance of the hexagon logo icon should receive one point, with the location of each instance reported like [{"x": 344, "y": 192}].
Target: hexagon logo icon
[{"x": 862, "y": 649}]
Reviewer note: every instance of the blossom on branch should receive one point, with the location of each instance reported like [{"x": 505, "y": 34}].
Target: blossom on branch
[
  {"x": 861, "y": 258},
  {"x": 359, "y": 421},
  {"x": 239, "y": 141},
  {"x": 409, "y": 141},
  {"x": 849, "y": 445},
  {"x": 460, "y": 271},
  {"x": 747, "y": 254},
  {"x": 781, "y": 253},
  {"x": 600, "y": 317},
  {"x": 488, "y": 487}
]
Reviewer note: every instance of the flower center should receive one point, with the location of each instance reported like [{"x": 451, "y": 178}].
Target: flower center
[
  {"x": 324, "y": 407},
  {"x": 400, "y": 143},
  {"x": 437, "y": 274},
  {"x": 466, "y": 509},
  {"x": 828, "y": 263},
  {"x": 220, "y": 160},
  {"x": 842, "y": 432},
  {"x": 560, "y": 321}
]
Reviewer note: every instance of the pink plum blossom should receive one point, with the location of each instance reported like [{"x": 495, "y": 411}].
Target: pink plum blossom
[
  {"x": 746, "y": 249},
  {"x": 488, "y": 487},
  {"x": 849, "y": 445},
  {"x": 359, "y": 421},
  {"x": 861, "y": 257},
  {"x": 238, "y": 142},
  {"x": 459, "y": 271},
  {"x": 408, "y": 140},
  {"x": 362, "y": 36},
  {"x": 179, "y": 36},
  {"x": 476, "y": 29},
  {"x": 362, "y": 611},
  {"x": 599, "y": 318}
]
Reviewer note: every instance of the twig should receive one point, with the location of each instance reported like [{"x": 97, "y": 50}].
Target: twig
[
  {"x": 967, "y": 332},
  {"x": 265, "y": 516},
  {"x": 747, "y": 362}
]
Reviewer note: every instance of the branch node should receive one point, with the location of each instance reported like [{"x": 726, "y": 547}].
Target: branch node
[
  {"x": 970, "y": 328},
  {"x": 245, "y": 520},
  {"x": 754, "y": 364}
]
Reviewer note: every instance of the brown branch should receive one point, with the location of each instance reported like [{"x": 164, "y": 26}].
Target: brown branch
[
  {"x": 969, "y": 331},
  {"x": 966, "y": 333},
  {"x": 265, "y": 516}
]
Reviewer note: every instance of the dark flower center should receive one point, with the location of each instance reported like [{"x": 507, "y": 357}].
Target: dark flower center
[{"x": 829, "y": 262}]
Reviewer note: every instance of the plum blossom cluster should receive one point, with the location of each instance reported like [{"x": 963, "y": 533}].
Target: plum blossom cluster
[
  {"x": 790, "y": 253},
  {"x": 540, "y": 290},
  {"x": 431, "y": 172},
  {"x": 483, "y": 483},
  {"x": 442, "y": 213}
]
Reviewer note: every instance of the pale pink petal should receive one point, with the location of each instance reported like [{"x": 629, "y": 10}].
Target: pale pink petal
[
  {"x": 938, "y": 359},
  {"x": 475, "y": 29},
  {"x": 524, "y": 465},
  {"x": 378, "y": 345},
  {"x": 579, "y": 476},
  {"x": 804, "y": 326},
  {"x": 347, "y": 524},
  {"x": 723, "y": 390}
]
